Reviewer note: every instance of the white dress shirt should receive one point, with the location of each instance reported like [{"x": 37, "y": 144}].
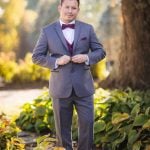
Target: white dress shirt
[{"x": 68, "y": 32}]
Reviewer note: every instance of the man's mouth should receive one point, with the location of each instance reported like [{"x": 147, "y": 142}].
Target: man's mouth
[{"x": 70, "y": 15}]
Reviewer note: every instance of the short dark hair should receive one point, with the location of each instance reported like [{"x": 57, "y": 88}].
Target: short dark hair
[{"x": 61, "y": 1}]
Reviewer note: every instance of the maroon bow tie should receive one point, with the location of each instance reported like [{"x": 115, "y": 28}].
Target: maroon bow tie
[{"x": 64, "y": 26}]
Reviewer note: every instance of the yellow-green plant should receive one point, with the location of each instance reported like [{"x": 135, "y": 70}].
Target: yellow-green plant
[
  {"x": 8, "y": 66},
  {"x": 29, "y": 72},
  {"x": 122, "y": 118},
  {"x": 37, "y": 116},
  {"x": 8, "y": 135},
  {"x": 22, "y": 72},
  {"x": 45, "y": 142},
  {"x": 99, "y": 70}
]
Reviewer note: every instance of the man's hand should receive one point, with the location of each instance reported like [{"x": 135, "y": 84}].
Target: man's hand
[
  {"x": 63, "y": 60},
  {"x": 80, "y": 58}
]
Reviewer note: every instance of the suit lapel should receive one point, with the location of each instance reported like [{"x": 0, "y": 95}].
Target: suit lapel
[
  {"x": 77, "y": 33},
  {"x": 60, "y": 34}
]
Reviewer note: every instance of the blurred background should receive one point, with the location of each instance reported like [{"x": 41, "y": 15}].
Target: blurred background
[{"x": 20, "y": 24}]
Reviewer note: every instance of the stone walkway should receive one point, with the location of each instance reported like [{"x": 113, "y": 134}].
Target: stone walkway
[{"x": 12, "y": 100}]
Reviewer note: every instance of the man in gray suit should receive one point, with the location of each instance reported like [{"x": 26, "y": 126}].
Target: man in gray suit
[{"x": 69, "y": 47}]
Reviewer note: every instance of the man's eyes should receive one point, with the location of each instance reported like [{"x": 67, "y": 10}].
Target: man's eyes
[
  {"x": 74, "y": 8},
  {"x": 71, "y": 7}
]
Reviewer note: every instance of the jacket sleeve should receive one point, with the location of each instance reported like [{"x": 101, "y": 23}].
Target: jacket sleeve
[
  {"x": 97, "y": 52},
  {"x": 41, "y": 55}
]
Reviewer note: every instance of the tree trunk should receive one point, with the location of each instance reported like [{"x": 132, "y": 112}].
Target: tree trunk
[{"x": 134, "y": 70}]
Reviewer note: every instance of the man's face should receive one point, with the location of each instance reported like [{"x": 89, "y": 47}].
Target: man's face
[{"x": 68, "y": 10}]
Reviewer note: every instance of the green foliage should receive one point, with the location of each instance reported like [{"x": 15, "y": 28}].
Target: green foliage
[
  {"x": 122, "y": 118},
  {"x": 37, "y": 116},
  {"x": 29, "y": 72},
  {"x": 22, "y": 72},
  {"x": 44, "y": 142},
  {"x": 7, "y": 66},
  {"x": 9, "y": 23},
  {"x": 99, "y": 70},
  {"x": 8, "y": 135}
]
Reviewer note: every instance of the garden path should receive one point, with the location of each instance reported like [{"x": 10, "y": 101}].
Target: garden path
[{"x": 12, "y": 100}]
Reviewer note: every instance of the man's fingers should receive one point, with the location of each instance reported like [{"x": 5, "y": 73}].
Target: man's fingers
[
  {"x": 63, "y": 60},
  {"x": 79, "y": 58}
]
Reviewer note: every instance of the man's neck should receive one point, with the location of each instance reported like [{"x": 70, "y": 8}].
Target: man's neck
[{"x": 62, "y": 22}]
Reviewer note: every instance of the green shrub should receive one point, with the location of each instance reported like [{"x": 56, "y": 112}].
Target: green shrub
[
  {"x": 37, "y": 116},
  {"x": 8, "y": 135},
  {"x": 99, "y": 70},
  {"x": 29, "y": 72},
  {"x": 22, "y": 72},
  {"x": 7, "y": 66},
  {"x": 122, "y": 118},
  {"x": 45, "y": 142}
]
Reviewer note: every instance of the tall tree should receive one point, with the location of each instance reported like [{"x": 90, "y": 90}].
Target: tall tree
[{"x": 134, "y": 68}]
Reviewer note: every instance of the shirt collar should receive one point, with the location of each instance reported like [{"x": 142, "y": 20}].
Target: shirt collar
[{"x": 61, "y": 22}]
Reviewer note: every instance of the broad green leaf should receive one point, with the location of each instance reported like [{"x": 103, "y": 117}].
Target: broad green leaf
[
  {"x": 147, "y": 125},
  {"x": 125, "y": 108},
  {"x": 24, "y": 118},
  {"x": 137, "y": 145},
  {"x": 135, "y": 110},
  {"x": 111, "y": 135},
  {"x": 126, "y": 128},
  {"x": 99, "y": 126},
  {"x": 140, "y": 120},
  {"x": 109, "y": 126},
  {"x": 40, "y": 111},
  {"x": 45, "y": 138},
  {"x": 132, "y": 137},
  {"x": 41, "y": 138},
  {"x": 119, "y": 140},
  {"x": 40, "y": 125},
  {"x": 147, "y": 112},
  {"x": 119, "y": 117},
  {"x": 29, "y": 127},
  {"x": 97, "y": 139}
]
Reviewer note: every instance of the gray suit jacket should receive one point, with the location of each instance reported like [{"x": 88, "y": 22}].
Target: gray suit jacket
[{"x": 51, "y": 45}]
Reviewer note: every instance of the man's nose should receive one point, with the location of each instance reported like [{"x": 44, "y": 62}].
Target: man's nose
[{"x": 70, "y": 10}]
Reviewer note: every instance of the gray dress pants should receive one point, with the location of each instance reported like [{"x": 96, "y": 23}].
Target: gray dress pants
[{"x": 63, "y": 112}]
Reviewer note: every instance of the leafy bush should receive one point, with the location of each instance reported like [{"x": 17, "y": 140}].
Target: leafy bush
[
  {"x": 45, "y": 142},
  {"x": 122, "y": 118},
  {"x": 99, "y": 70},
  {"x": 21, "y": 72},
  {"x": 29, "y": 72},
  {"x": 8, "y": 135},
  {"x": 37, "y": 116},
  {"x": 7, "y": 66}
]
